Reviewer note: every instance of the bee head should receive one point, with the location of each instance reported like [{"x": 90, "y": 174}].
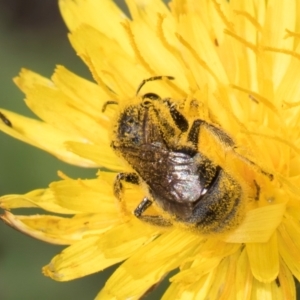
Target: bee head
[{"x": 147, "y": 99}]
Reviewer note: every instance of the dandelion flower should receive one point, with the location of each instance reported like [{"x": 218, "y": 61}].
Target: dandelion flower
[{"x": 236, "y": 66}]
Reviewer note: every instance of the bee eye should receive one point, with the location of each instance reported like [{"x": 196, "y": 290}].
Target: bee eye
[{"x": 148, "y": 98}]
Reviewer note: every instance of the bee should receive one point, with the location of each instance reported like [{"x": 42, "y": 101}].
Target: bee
[
  {"x": 189, "y": 187},
  {"x": 5, "y": 120}
]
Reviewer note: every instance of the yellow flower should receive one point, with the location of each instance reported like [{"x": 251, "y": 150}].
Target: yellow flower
[{"x": 236, "y": 66}]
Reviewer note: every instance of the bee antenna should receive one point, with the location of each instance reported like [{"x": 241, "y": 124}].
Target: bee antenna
[{"x": 152, "y": 79}]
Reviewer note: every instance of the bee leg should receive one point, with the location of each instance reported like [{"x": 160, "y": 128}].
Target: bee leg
[
  {"x": 127, "y": 177},
  {"x": 154, "y": 220},
  {"x": 134, "y": 179},
  {"x": 118, "y": 187},
  {"x": 193, "y": 135},
  {"x": 224, "y": 138},
  {"x": 180, "y": 120},
  {"x": 227, "y": 140}
]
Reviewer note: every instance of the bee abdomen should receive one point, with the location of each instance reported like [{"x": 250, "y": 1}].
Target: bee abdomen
[{"x": 221, "y": 208}]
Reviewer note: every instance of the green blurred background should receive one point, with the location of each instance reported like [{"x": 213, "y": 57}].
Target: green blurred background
[{"x": 33, "y": 35}]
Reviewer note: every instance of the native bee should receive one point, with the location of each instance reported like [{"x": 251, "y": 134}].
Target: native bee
[{"x": 180, "y": 179}]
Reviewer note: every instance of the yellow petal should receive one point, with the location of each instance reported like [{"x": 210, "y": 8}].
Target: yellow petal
[
  {"x": 244, "y": 277},
  {"x": 204, "y": 46},
  {"x": 247, "y": 27},
  {"x": 90, "y": 196},
  {"x": 28, "y": 79},
  {"x": 58, "y": 230},
  {"x": 198, "y": 268},
  {"x": 264, "y": 259},
  {"x": 96, "y": 253},
  {"x": 288, "y": 89},
  {"x": 86, "y": 95},
  {"x": 258, "y": 225},
  {"x": 224, "y": 280},
  {"x": 143, "y": 10},
  {"x": 289, "y": 245},
  {"x": 105, "y": 16},
  {"x": 42, "y": 198},
  {"x": 200, "y": 289},
  {"x": 45, "y": 137},
  {"x": 286, "y": 282},
  {"x": 119, "y": 71},
  {"x": 203, "y": 38},
  {"x": 262, "y": 291},
  {"x": 19, "y": 224},
  {"x": 272, "y": 290},
  {"x": 194, "y": 282},
  {"x": 280, "y": 15},
  {"x": 102, "y": 155},
  {"x": 47, "y": 103},
  {"x": 156, "y": 56},
  {"x": 148, "y": 265},
  {"x": 219, "y": 283}
]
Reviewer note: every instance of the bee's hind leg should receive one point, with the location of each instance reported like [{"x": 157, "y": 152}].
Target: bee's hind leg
[
  {"x": 127, "y": 177},
  {"x": 154, "y": 220},
  {"x": 133, "y": 178}
]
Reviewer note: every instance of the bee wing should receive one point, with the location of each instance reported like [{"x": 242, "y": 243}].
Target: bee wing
[{"x": 172, "y": 174}]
